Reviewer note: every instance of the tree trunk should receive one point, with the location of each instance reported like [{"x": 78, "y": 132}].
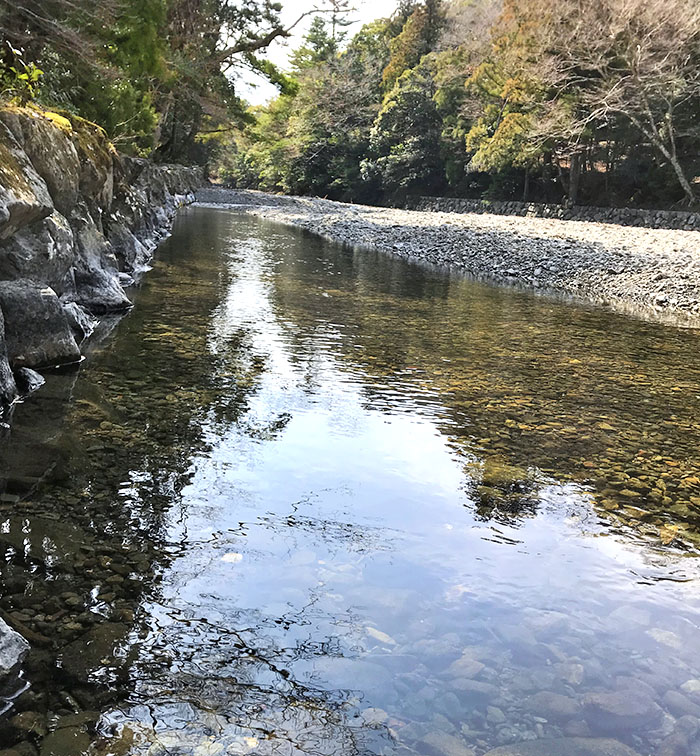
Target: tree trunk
[
  {"x": 682, "y": 180},
  {"x": 562, "y": 180},
  {"x": 162, "y": 118},
  {"x": 526, "y": 185},
  {"x": 653, "y": 135},
  {"x": 574, "y": 177}
]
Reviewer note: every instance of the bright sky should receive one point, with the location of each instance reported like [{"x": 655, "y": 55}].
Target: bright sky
[{"x": 258, "y": 91}]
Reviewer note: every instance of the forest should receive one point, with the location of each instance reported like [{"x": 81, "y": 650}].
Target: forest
[{"x": 572, "y": 101}]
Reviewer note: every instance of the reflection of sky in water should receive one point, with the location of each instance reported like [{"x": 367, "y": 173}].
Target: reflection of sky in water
[{"x": 331, "y": 559}]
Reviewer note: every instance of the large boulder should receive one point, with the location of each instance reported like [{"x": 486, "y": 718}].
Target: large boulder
[
  {"x": 97, "y": 157},
  {"x": 131, "y": 253},
  {"x": 47, "y": 140},
  {"x": 8, "y": 388},
  {"x": 565, "y": 747},
  {"x": 42, "y": 252},
  {"x": 95, "y": 271},
  {"x": 24, "y": 196},
  {"x": 37, "y": 332}
]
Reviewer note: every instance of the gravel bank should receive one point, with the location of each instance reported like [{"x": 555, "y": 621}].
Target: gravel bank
[{"x": 652, "y": 272}]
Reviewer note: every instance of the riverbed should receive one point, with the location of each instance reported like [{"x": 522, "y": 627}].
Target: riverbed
[
  {"x": 653, "y": 273},
  {"x": 315, "y": 499}
]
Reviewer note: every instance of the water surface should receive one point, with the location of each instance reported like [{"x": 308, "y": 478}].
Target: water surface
[{"x": 306, "y": 499}]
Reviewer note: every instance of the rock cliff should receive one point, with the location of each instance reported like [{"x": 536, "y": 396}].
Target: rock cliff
[{"x": 77, "y": 222}]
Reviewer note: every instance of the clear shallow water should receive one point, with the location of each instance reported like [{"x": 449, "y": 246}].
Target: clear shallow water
[{"x": 310, "y": 500}]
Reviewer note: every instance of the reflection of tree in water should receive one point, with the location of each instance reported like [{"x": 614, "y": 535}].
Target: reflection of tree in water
[
  {"x": 232, "y": 706},
  {"x": 236, "y": 679},
  {"x": 336, "y": 533}
]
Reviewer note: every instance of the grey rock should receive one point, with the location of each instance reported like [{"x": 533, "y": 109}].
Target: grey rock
[
  {"x": 96, "y": 273},
  {"x": 620, "y": 711},
  {"x": 494, "y": 715},
  {"x": 37, "y": 333},
  {"x": 8, "y": 387},
  {"x": 51, "y": 152},
  {"x": 24, "y": 197},
  {"x": 28, "y": 380},
  {"x": 42, "y": 252},
  {"x": 692, "y": 688},
  {"x": 13, "y": 649},
  {"x": 442, "y": 744},
  {"x": 465, "y": 666},
  {"x": 79, "y": 319},
  {"x": 679, "y": 705},
  {"x": 474, "y": 692},
  {"x": 565, "y": 747},
  {"x": 678, "y": 742},
  {"x": 553, "y": 706}
]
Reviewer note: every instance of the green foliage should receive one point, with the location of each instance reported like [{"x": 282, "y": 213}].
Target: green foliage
[
  {"x": 405, "y": 156},
  {"x": 416, "y": 39},
  {"x": 502, "y": 136},
  {"x": 159, "y": 75},
  {"x": 18, "y": 79},
  {"x": 560, "y": 100},
  {"x": 319, "y": 46},
  {"x": 313, "y": 140}
]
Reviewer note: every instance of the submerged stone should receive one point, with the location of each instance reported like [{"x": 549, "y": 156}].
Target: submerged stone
[
  {"x": 566, "y": 747},
  {"x": 94, "y": 649},
  {"x": 618, "y": 711},
  {"x": 68, "y": 741},
  {"x": 442, "y": 744},
  {"x": 554, "y": 706},
  {"x": 13, "y": 649}
]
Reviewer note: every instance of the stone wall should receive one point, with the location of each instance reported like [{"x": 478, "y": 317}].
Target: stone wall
[
  {"x": 622, "y": 216},
  {"x": 77, "y": 222}
]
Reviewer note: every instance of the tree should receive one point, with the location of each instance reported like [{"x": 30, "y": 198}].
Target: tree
[
  {"x": 631, "y": 60},
  {"x": 154, "y": 72},
  {"x": 318, "y": 47},
  {"x": 418, "y": 37},
  {"x": 404, "y": 155}
]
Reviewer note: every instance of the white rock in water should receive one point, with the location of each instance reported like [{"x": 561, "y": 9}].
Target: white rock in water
[
  {"x": 380, "y": 636},
  {"x": 13, "y": 648},
  {"x": 691, "y": 686},
  {"x": 208, "y": 748},
  {"x": 374, "y": 716},
  {"x": 665, "y": 638}
]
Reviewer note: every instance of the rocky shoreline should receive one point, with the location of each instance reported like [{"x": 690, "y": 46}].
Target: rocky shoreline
[
  {"x": 78, "y": 223},
  {"x": 654, "y": 273}
]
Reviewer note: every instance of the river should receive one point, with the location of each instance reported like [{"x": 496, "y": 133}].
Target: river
[{"x": 307, "y": 499}]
